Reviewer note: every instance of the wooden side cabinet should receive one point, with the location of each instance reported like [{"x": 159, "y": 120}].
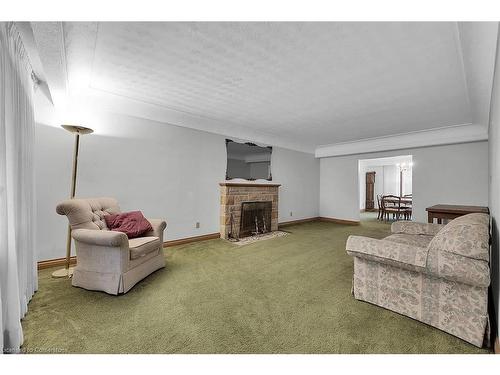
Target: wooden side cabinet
[{"x": 442, "y": 212}]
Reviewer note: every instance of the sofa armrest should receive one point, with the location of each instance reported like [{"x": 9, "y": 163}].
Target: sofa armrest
[
  {"x": 159, "y": 226},
  {"x": 100, "y": 237},
  {"x": 388, "y": 252},
  {"x": 455, "y": 267},
  {"x": 409, "y": 227}
]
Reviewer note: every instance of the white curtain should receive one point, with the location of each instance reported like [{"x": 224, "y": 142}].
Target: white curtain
[{"x": 18, "y": 274}]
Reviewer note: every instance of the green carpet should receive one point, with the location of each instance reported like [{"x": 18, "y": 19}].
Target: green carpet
[{"x": 285, "y": 295}]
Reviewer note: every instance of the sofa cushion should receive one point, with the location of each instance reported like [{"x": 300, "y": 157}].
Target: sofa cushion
[
  {"x": 133, "y": 223},
  {"x": 141, "y": 246},
  {"x": 467, "y": 236},
  {"x": 411, "y": 239}
]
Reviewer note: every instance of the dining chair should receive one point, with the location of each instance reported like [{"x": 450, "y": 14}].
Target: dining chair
[
  {"x": 380, "y": 207},
  {"x": 406, "y": 206},
  {"x": 407, "y": 213},
  {"x": 392, "y": 205},
  {"x": 389, "y": 206}
]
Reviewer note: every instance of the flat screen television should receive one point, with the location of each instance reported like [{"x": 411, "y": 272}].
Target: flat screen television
[{"x": 248, "y": 161}]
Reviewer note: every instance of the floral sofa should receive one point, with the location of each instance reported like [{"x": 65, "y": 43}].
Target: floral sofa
[{"x": 437, "y": 274}]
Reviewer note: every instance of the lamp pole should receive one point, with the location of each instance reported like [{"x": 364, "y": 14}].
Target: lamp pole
[
  {"x": 400, "y": 182},
  {"x": 67, "y": 271}
]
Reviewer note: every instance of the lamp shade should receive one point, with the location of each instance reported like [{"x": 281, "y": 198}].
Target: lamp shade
[{"x": 77, "y": 129}]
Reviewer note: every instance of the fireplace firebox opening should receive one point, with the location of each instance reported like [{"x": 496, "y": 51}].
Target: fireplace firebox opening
[{"x": 255, "y": 218}]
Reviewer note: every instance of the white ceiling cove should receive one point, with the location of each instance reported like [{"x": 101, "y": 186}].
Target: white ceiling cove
[{"x": 295, "y": 85}]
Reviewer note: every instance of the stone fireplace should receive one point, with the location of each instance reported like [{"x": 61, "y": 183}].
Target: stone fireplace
[{"x": 254, "y": 200}]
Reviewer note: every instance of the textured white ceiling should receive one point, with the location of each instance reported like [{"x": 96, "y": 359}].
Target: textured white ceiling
[{"x": 311, "y": 83}]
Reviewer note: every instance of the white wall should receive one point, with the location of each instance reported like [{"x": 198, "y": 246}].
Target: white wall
[
  {"x": 391, "y": 180},
  {"x": 494, "y": 187},
  {"x": 455, "y": 174},
  {"x": 298, "y": 174},
  {"x": 163, "y": 170}
]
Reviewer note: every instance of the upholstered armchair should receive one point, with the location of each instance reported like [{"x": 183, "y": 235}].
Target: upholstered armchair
[
  {"x": 438, "y": 274},
  {"x": 108, "y": 260}
]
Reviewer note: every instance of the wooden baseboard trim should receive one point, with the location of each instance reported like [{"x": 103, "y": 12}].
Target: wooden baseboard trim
[
  {"x": 338, "y": 221},
  {"x": 59, "y": 262},
  {"x": 496, "y": 346},
  {"x": 182, "y": 241},
  {"x": 300, "y": 221},
  {"x": 212, "y": 236}
]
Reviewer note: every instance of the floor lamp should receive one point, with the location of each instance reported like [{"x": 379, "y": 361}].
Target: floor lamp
[{"x": 67, "y": 271}]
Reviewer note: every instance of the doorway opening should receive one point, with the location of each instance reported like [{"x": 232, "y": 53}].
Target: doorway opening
[{"x": 385, "y": 188}]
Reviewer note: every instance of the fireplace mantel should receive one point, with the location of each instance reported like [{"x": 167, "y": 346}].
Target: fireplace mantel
[
  {"x": 234, "y": 193},
  {"x": 248, "y": 184}
]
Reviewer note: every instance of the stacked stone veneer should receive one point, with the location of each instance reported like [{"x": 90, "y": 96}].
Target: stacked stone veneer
[{"x": 233, "y": 194}]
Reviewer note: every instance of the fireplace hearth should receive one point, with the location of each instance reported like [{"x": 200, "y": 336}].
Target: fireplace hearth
[{"x": 255, "y": 218}]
